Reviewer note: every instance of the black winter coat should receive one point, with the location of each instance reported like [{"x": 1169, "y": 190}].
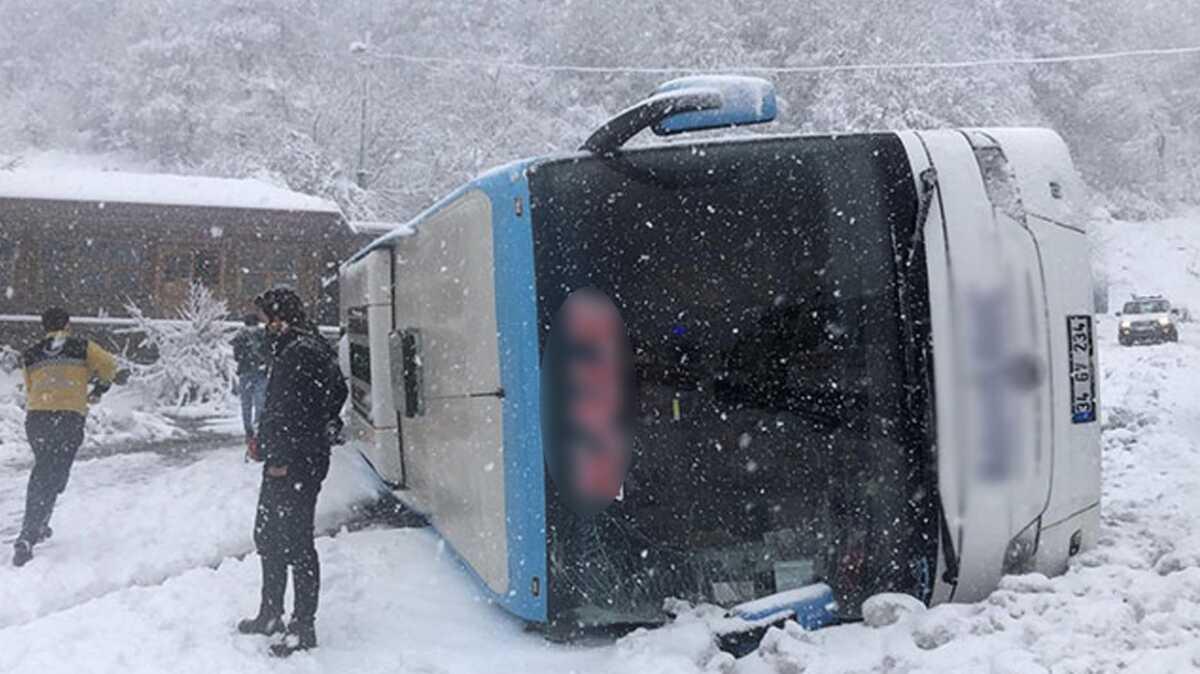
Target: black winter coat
[
  {"x": 305, "y": 392},
  {"x": 250, "y": 350}
]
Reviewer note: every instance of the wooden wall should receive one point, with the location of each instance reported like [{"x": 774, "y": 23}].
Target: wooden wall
[{"x": 93, "y": 258}]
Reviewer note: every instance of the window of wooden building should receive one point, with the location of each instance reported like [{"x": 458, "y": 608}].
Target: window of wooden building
[
  {"x": 8, "y": 267},
  {"x": 64, "y": 278},
  {"x": 278, "y": 266},
  {"x": 179, "y": 265},
  {"x": 119, "y": 268},
  {"x": 100, "y": 275}
]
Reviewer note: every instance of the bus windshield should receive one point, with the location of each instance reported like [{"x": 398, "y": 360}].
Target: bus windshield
[{"x": 776, "y": 443}]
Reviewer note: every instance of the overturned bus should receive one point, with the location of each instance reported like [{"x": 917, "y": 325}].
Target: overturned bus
[{"x": 831, "y": 365}]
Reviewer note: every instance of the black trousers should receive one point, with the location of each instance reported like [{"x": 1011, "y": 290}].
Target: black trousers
[
  {"x": 283, "y": 534},
  {"x": 55, "y": 438}
]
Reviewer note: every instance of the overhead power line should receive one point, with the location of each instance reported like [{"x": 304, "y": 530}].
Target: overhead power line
[{"x": 832, "y": 68}]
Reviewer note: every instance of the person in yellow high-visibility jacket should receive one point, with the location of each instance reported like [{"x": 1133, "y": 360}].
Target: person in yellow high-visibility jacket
[{"x": 57, "y": 370}]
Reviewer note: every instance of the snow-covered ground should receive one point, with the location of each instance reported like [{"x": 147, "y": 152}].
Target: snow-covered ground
[
  {"x": 138, "y": 519},
  {"x": 122, "y": 420},
  {"x": 144, "y": 573}
]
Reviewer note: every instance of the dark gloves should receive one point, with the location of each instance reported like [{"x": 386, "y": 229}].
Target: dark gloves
[
  {"x": 98, "y": 390},
  {"x": 333, "y": 431}
]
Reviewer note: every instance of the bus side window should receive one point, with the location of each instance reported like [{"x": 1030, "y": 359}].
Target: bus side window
[
  {"x": 410, "y": 354},
  {"x": 358, "y": 348},
  {"x": 396, "y": 373}
]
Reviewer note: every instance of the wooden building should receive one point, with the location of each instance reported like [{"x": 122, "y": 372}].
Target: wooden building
[{"x": 92, "y": 242}]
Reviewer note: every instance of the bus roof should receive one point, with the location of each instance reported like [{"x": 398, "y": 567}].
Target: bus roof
[{"x": 517, "y": 169}]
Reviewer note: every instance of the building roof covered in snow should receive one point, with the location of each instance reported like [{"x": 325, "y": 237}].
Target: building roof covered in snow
[
  {"x": 156, "y": 189},
  {"x": 96, "y": 240}
]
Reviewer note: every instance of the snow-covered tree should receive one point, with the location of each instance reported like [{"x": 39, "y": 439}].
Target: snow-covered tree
[
  {"x": 271, "y": 87},
  {"x": 195, "y": 360}
]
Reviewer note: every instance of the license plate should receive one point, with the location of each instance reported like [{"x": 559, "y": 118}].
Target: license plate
[{"x": 1082, "y": 361}]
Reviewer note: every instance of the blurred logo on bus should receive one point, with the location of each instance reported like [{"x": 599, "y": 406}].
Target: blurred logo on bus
[
  {"x": 991, "y": 347},
  {"x": 587, "y": 410}
]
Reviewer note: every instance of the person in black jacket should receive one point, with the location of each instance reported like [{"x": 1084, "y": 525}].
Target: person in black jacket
[{"x": 305, "y": 393}]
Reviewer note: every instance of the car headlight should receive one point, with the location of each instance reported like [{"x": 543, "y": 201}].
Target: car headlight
[
  {"x": 1164, "y": 321},
  {"x": 1125, "y": 325}
]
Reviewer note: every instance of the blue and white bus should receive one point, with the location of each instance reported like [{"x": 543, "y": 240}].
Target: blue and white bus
[{"x": 855, "y": 364}]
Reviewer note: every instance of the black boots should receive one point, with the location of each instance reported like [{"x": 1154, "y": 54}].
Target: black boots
[
  {"x": 23, "y": 549},
  {"x": 262, "y": 624},
  {"x": 22, "y": 552},
  {"x": 299, "y": 637}
]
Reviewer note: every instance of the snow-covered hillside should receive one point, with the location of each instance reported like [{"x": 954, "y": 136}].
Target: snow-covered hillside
[{"x": 1151, "y": 257}]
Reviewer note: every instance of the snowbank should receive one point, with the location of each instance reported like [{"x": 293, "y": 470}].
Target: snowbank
[
  {"x": 120, "y": 420},
  {"x": 13, "y": 447}
]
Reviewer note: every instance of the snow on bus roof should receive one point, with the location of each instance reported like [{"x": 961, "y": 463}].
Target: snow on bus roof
[{"x": 155, "y": 188}]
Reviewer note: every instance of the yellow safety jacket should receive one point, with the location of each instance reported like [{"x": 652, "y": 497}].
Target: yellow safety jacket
[{"x": 57, "y": 370}]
